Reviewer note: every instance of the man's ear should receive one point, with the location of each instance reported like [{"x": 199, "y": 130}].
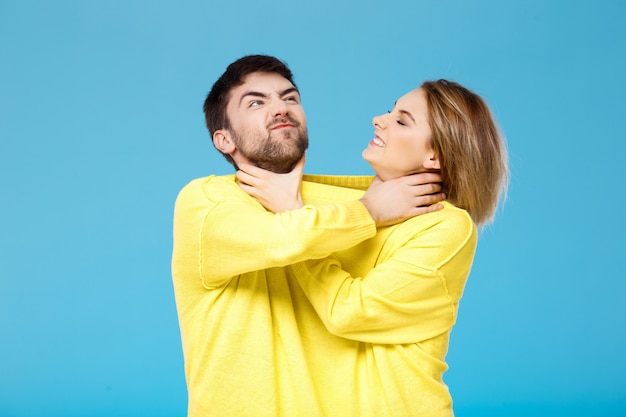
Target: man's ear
[
  {"x": 223, "y": 141},
  {"x": 432, "y": 161}
]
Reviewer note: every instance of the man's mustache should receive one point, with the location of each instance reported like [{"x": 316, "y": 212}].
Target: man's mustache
[{"x": 283, "y": 120}]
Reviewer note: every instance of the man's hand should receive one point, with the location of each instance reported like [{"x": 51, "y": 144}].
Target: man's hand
[
  {"x": 392, "y": 201},
  {"x": 276, "y": 192}
]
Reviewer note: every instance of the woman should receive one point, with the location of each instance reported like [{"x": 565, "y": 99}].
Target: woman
[{"x": 389, "y": 304}]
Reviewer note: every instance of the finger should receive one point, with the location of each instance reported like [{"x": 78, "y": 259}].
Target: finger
[
  {"x": 246, "y": 178},
  {"x": 423, "y": 178},
  {"x": 428, "y": 200},
  {"x": 431, "y": 198},
  {"x": 252, "y": 170},
  {"x": 434, "y": 207},
  {"x": 430, "y": 188},
  {"x": 247, "y": 188},
  {"x": 427, "y": 209}
]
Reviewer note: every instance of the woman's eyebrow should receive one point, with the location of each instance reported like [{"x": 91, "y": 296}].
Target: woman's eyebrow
[{"x": 409, "y": 115}]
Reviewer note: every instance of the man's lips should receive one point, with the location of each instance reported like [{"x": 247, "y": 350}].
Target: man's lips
[
  {"x": 283, "y": 123},
  {"x": 281, "y": 126}
]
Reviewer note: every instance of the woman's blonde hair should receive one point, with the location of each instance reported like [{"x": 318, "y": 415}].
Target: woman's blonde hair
[{"x": 470, "y": 148}]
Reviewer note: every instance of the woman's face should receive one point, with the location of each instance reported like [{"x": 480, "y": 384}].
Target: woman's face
[{"x": 401, "y": 143}]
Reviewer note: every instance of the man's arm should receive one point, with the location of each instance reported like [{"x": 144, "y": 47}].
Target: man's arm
[{"x": 221, "y": 232}]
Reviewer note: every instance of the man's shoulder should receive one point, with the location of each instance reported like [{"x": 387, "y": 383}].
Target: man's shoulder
[
  {"x": 210, "y": 181},
  {"x": 210, "y": 187},
  {"x": 356, "y": 182},
  {"x": 319, "y": 189}
]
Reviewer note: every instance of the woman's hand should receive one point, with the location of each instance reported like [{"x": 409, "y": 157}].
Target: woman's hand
[
  {"x": 276, "y": 192},
  {"x": 392, "y": 201}
]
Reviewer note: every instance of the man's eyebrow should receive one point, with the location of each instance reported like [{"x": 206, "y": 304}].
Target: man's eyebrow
[
  {"x": 289, "y": 91},
  {"x": 262, "y": 95},
  {"x": 251, "y": 94}
]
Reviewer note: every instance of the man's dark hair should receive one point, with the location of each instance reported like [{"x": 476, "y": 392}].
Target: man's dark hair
[{"x": 217, "y": 99}]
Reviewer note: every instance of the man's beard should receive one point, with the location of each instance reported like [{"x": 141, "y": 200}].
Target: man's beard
[{"x": 278, "y": 153}]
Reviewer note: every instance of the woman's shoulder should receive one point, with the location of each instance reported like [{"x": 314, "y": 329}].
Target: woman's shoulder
[
  {"x": 451, "y": 223},
  {"x": 453, "y": 214}
]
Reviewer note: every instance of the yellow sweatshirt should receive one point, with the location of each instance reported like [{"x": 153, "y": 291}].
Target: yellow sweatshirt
[{"x": 253, "y": 342}]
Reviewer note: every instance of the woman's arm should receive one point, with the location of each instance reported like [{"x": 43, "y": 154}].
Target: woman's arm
[{"x": 411, "y": 295}]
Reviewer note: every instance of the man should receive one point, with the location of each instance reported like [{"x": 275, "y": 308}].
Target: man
[{"x": 241, "y": 310}]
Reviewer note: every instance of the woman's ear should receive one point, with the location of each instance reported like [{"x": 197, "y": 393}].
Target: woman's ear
[
  {"x": 223, "y": 142},
  {"x": 432, "y": 161}
]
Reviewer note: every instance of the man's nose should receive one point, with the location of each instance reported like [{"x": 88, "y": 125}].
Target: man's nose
[{"x": 279, "y": 108}]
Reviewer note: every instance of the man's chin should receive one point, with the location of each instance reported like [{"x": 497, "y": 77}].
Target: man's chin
[{"x": 281, "y": 166}]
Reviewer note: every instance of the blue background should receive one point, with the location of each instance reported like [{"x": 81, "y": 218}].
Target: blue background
[{"x": 101, "y": 124}]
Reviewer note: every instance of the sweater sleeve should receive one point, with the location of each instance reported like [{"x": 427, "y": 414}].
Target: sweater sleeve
[
  {"x": 411, "y": 295},
  {"x": 235, "y": 235}
]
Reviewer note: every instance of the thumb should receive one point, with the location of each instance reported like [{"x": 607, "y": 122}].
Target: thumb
[{"x": 376, "y": 180}]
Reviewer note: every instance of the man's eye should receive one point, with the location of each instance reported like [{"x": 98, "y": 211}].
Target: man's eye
[
  {"x": 255, "y": 103},
  {"x": 292, "y": 99}
]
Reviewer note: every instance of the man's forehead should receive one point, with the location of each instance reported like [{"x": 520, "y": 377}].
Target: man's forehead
[
  {"x": 260, "y": 83},
  {"x": 264, "y": 81}
]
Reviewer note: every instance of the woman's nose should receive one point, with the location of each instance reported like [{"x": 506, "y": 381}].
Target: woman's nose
[{"x": 378, "y": 121}]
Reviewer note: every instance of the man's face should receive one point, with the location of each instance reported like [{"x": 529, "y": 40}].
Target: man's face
[{"x": 267, "y": 122}]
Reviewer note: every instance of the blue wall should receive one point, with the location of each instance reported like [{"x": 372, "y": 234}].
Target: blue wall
[{"x": 101, "y": 124}]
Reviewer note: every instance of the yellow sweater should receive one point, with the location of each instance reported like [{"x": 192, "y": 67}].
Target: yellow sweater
[{"x": 253, "y": 343}]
